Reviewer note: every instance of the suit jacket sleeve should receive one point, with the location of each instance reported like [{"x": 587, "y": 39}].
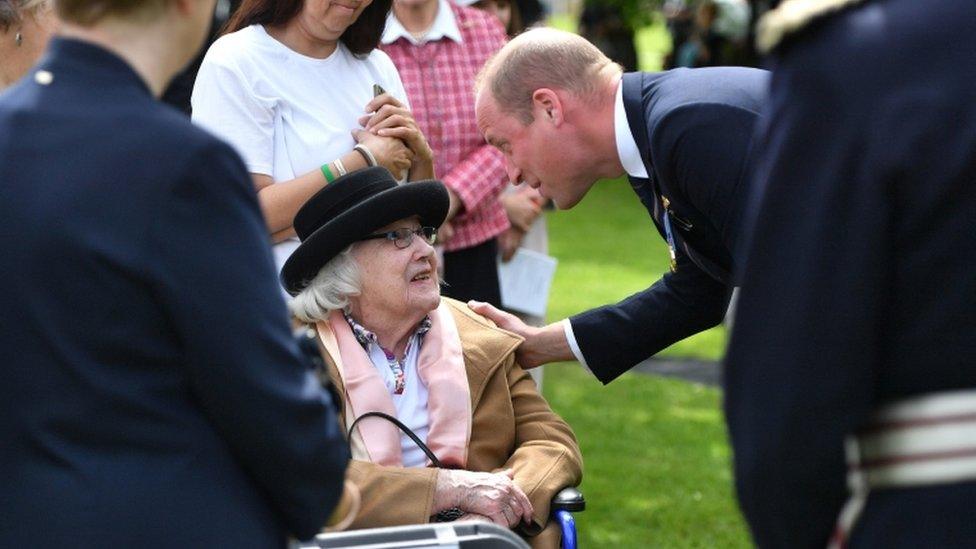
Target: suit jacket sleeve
[
  {"x": 547, "y": 457},
  {"x": 802, "y": 361},
  {"x": 614, "y": 338},
  {"x": 218, "y": 286}
]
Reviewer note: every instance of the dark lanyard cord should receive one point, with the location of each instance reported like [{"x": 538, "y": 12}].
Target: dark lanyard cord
[{"x": 406, "y": 430}]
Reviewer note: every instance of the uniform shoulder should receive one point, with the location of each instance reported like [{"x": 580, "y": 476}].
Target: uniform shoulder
[{"x": 793, "y": 16}]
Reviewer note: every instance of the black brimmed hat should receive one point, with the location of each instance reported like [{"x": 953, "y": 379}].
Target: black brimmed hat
[{"x": 351, "y": 207}]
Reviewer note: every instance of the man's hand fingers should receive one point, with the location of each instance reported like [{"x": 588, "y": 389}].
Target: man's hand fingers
[{"x": 488, "y": 310}]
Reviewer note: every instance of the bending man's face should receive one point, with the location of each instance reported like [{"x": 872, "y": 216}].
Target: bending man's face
[{"x": 539, "y": 154}]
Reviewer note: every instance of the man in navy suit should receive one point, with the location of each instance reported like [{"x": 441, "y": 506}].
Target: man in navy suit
[
  {"x": 851, "y": 371},
  {"x": 564, "y": 116},
  {"x": 151, "y": 393}
]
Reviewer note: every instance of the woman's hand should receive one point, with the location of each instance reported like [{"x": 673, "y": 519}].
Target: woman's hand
[
  {"x": 509, "y": 242},
  {"x": 445, "y": 233},
  {"x": 523, "y": 207},
  {"x": 389, "y": 152},
  {"x": 492, "y": 495},
  {"x": 391, "y": 119}
]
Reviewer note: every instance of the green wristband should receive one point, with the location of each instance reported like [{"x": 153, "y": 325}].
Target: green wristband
[{"x": 327, "y": 172}]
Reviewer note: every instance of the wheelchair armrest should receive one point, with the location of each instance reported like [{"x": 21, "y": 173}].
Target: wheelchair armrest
[{"x": 569, "y": 499}]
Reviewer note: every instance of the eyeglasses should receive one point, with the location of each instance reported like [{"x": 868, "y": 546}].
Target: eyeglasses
[{"x": 403, "y": 238}]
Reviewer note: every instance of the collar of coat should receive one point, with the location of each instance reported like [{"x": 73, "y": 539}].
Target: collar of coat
[
  {"x": 485, "y": 348},
  {"x": 792, "y": 16}
]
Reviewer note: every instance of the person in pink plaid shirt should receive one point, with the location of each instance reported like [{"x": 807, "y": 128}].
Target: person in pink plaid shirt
[{"x": 439, "y": 47}]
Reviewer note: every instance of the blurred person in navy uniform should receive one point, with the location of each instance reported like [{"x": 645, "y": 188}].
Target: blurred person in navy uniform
[
  {"x": 564, "y": 117},
  {"x": 855, "y": 337},
  {"x": 152, "y": 394}
]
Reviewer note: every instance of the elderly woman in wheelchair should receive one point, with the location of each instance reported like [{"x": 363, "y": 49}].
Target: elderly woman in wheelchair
[{"x": 443, "y": 423}]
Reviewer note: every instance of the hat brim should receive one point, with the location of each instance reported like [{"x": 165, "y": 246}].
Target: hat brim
[{"x": 426, "y": 199}]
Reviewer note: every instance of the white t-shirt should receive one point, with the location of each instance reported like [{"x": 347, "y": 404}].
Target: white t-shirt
[{"x": 286, "y": 114}]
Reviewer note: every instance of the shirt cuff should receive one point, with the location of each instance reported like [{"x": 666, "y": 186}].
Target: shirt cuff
[{"x": 573, "y": 346}]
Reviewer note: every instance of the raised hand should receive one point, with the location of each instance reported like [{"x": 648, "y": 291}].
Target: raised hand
[
  {"x": 390, "y": 118},
  {"x": 390, "y": 152},
  {"x": 541, "y": 345},
  {"x": 522, "y": 207}
]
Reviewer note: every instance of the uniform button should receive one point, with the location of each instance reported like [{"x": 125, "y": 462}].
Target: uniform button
[{"x": 43, "y": 78}]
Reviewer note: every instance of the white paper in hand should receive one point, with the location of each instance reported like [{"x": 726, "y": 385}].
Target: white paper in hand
[{"x": 525, "y": 281}]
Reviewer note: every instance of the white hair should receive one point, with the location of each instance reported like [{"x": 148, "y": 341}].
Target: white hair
[{"x": 329, "y": 290}]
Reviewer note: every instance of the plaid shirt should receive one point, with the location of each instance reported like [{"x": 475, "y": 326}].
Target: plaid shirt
[{"x": 439, "y": 79}]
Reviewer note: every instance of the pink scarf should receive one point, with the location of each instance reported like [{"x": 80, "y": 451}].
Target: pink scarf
[{"x": 440, "y": 366}]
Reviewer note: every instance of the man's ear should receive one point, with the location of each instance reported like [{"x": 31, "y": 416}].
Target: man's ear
[{"x": 547, "y": 105}]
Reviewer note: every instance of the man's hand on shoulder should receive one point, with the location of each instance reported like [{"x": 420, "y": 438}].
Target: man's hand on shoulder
[{"x": 541, "y": 345}]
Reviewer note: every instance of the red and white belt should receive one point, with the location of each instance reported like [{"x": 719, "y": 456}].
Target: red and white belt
[{"x": 920, "y": 441}]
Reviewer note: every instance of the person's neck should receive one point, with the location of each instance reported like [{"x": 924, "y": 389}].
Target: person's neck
[
  {"x": 416, "y": 18},
  {"x": 19, "y": 58},
  {"x": 392, "y": 331},
  {"x": 297, "y": 38},
  {"x": 600, "y": 131},
  {"x": 147, "y": 49}
]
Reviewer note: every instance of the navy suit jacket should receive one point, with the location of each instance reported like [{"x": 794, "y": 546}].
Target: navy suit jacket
[
  {"x": 694, "y": 130},
  {"x": 151, "y": 393},
  {"x": 859, "y": 284}
]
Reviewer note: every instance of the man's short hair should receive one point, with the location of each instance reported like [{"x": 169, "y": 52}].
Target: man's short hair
[
  {"x": 543, "y": 58},
  {"x": 89, "y": 12}
]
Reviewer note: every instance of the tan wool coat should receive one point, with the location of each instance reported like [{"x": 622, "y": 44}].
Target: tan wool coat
[{"x": 512, "y": 427}]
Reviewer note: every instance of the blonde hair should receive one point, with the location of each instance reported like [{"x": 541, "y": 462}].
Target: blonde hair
[
  {"x": 544, "y": 58},
  {"x": 13, "y": 11},
  {"x": 89, "y": 12}
]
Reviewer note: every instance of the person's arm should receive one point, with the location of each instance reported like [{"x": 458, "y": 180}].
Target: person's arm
[
  {"x": 430, "y": 491},
  {"x": 614, "y": 338},
  {"x": 807, "y": 346},
  {"x": 547, "y": 457},
  {"x": 281, "y": 201},
  {"x": 217, "y": 285},
  {"x": 224, "y": 103}
]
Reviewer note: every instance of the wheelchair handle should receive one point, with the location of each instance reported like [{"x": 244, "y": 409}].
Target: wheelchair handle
[{"x": 569, "y": 499}]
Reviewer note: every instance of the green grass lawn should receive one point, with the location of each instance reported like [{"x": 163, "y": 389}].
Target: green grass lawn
[
  {"x": 656, "y": 460},
  {"x": 608, "y": 248}
]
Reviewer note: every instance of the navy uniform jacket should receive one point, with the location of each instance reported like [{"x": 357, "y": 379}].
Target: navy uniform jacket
[
  {"x": 694, "y": 130},
  {"x": 860, "y": 282},
  {"x": 151, "y": 394}
]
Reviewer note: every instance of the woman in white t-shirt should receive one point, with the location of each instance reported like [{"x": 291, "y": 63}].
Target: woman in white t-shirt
[{"x": 291, "y": 86}]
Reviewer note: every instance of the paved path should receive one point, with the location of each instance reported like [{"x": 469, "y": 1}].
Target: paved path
[{"x": 697, "y": 371}]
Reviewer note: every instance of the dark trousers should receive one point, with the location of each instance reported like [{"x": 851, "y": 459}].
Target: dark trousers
[{"x": 472, "y": 273}]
